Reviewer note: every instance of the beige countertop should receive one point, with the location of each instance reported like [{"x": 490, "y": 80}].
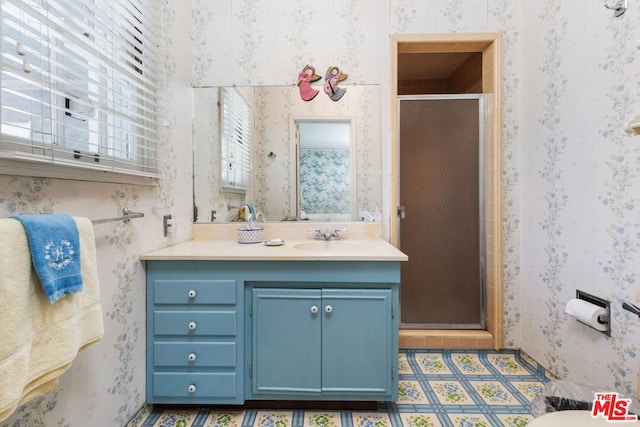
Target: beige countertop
[{"x": 365, "y": 249}]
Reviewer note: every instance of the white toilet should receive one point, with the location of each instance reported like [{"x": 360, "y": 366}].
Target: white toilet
[{"x": 574, "y": 419}]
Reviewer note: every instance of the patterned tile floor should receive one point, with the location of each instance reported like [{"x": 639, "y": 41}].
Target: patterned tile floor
[{"x": 437, "y": 388}]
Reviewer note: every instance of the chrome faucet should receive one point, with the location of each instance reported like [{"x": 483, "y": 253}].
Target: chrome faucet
[{"x": 326, "y": 235}]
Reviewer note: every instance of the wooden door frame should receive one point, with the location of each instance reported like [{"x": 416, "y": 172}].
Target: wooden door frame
[{"x": 490, "y": 45}]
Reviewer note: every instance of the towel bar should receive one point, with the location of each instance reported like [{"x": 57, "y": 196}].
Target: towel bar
[{"x": 126, "y": 216}]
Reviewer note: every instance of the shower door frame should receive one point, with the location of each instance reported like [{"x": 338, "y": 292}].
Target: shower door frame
[
  {"x": 482, "y": 273},
  {"x": 490, "y": 44}
]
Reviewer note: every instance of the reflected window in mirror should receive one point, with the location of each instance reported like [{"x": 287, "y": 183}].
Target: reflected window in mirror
[{"x": 237, "y": 133}]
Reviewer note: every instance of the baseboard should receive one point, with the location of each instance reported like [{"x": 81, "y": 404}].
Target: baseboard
[{"x": 446, "y": 339}]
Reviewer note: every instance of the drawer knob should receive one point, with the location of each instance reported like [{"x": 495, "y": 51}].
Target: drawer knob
[
  {"x": 328, "y": 309},
  {"x": 191, "y": 388},
  {"x": 192, "y": 293},
  {"x": 192, "y": 326},
  {"x": 192, "y": 357},
  {"x": 314, "y": 309}
]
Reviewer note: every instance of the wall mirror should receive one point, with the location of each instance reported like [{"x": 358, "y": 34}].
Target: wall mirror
[{"x": 276, "y": 185}]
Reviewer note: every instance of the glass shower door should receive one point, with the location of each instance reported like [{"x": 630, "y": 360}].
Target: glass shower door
[{"x": 441, "y": 212}]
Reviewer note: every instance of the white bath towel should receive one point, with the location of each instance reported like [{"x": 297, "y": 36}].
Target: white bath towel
[{"x": 39, "y": 340}]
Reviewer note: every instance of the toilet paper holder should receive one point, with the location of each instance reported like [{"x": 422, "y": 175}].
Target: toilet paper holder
[{"x": 601, "y": 302}]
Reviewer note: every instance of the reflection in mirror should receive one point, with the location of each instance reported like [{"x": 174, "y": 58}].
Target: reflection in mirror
[
  {"x": 325, "y": 170},
  {"x": 274, "y": 185}
]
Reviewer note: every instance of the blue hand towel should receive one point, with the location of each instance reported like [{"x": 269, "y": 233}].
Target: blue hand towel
[{"x": 55, "y": 252}]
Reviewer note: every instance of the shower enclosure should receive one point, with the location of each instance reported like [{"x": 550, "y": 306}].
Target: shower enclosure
[{"x": 441, "y": 226}]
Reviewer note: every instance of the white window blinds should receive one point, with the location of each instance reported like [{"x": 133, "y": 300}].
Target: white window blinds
[
  {"x": 237, "y": 129},
  {"x": 79, "y": 83}
]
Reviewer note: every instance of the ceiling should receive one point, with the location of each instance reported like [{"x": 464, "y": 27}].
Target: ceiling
[
  {"x": 435, "y": 59},
  {"x": 429, "y": 65}
]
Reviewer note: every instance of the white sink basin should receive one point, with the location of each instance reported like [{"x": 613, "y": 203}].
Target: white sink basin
[{"x": 328, "y": 246}]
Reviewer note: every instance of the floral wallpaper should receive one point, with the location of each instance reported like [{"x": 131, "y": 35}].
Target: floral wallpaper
[
  {"x": 571, "y": 178},
  {"x": 554, "y": 85},
  {"x": 620, "y": 192},
  {"x": 504, "y": 13},
  {"x": 580, "y": 181},
  {"x": 273, "y": 41}
]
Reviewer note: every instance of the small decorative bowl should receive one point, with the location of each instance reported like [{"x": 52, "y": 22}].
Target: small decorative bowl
[{"x": 250, "y": 235}]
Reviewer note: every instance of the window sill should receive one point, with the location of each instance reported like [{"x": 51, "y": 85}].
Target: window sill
[
  {"x": 16, "y": 166},
  {"x": 234, "y": 190}
]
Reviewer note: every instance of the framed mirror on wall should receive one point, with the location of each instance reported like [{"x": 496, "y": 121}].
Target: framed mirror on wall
[{"x": 274, "y": 185}]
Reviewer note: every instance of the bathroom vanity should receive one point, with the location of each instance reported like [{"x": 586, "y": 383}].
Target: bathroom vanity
[{"x": 306, "y": 320}]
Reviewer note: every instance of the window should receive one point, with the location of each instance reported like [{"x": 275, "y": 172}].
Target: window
[
  {"x": 79, "y": 83},
  {"x": 236, "y": 128}
]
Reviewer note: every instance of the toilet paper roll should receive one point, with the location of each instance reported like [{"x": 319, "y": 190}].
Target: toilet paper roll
[{"x": 587, "y": 313}]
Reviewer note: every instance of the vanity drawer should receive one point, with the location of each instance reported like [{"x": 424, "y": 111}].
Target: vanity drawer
[
  {"x": 194, "y": 292},
  {"x": 195, "y": 323},
  {"x": 194, "y": 354},
  {"x": 194, "y": 385}
]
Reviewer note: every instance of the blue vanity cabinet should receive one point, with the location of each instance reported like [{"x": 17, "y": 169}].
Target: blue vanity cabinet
[
  {"x": 227, "y": 331},
  {"x": 194, "y": 335},
  {"x": 328, "y": 343}
]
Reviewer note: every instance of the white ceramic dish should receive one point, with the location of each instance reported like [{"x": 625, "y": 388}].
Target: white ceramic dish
[{"x": 274, "y": 242}]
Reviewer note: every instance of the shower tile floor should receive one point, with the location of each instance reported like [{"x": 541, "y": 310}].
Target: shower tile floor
[{"x": 437, "y": 388}]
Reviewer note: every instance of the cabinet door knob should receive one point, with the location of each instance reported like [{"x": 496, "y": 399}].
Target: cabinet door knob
[
  {"x": 192, "y": 325},
  {"x": 328, "y": 309},
  {"x": 191, "y": 388},
  {"x": 192, "y": 357},
  {"x": 192, "y": 293},
  {"x": 314, "y": 309}
]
